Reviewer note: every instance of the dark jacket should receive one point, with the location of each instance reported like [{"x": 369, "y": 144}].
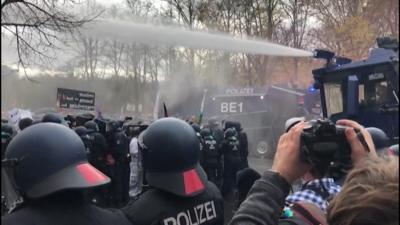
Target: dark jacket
[
  {"x": 218, "y": 135},
  {"x": 66, "y": 210},
  {"x": 99, "y": 151},
  {"x": 264, "y": 202},
  {"x": 211, "y": 153},
  {"x": 244, "y": 149},
  {"x": 120, "y": 148},
  {"x": 156, "y": 207},
  {"x": 231, "y": 147}
]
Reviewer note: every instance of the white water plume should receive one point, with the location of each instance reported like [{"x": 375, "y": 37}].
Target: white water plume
[{"x": 129, "y": 32}]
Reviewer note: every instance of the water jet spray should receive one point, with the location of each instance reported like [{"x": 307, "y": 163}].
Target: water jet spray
[{"x": 149, "y": 34}]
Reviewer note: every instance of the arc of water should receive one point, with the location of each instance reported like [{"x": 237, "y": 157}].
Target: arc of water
[{"x": 171, "y": 36}]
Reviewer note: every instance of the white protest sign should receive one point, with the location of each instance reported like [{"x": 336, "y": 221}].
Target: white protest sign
[
  {"x": 17, "y": 114},
  {"x": 13, "y": 116}
]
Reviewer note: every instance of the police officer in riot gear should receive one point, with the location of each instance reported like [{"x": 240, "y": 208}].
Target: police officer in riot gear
[
  {"x": 212, "y": 157},
  {"x": 98, "y": 155},
  {"x": 119, "y": 145},
  {"x": 48, "y": 165},
  {"x": 96, "y": 195},
  {"x": 244, "y": 148},
  {"x": 218, "y": 135},
  {"x": 230, "y": 150},
  {"x": 99, "y": 149},
  {"x": 216, "y": 131},
  {"x": 83, "y": 133},
  {"x": 180, "y": 193},
  {"x": 91, "y": 126},
  {"x": 242, "y": 136},
  {"x": 197, "y": 129}
]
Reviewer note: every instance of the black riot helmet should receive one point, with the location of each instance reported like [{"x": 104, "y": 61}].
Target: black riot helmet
[
  {"x": 102, "y": 124},
  {"x": 213, "y": 123},
  {"x": 230, "y": 132},
  {"x": 170, "y": 155},
  {"x": 81, "y": 131},
  {"x": 196, "y": 127},
  {"x": 24, "y": 123},
  {"x": 92, "y": 126},
  {"x": 112, "y": 126},
  {"x": 205, "y": 132},
  {"x": 232, "y": 124},
  {"x": 51, "y": 118},
  {"x": 379, "y": 137},
  {"x": 133, "y": 131},
  {"x": 48, "y": 158},
  {"x": 81, "y": 119}
]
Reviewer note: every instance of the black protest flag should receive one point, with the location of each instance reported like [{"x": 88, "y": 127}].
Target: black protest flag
[{"x": 165, "y": 110}]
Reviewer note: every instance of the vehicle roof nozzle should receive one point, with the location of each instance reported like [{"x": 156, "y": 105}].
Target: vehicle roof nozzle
[{"x": 324, "y": 54}]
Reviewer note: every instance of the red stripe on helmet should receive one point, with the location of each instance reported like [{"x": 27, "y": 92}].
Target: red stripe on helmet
[
  {"x": 192, "y": 182},
  {"x": 91, "y": 174}
]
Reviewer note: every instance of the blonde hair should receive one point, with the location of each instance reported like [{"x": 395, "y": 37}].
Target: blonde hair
[{"x": 369, "y": 196}]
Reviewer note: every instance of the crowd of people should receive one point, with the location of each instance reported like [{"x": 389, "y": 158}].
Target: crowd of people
[
  {"x": 112, "y": 148},
  {"x": 175, "y": 172}
]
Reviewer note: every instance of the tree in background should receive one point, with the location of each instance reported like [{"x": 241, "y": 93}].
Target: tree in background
[
  {"x": 36, "y": 26},
  {"x": 130, "y": 73},
  {"x": 298, "y": 13},
  {"x": 350, "y": 27}
]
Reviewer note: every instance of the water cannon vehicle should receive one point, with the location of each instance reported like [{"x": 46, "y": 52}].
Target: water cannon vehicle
[
  {"x": 261, "y": 111},
  {"x": 366, "y": 91}
]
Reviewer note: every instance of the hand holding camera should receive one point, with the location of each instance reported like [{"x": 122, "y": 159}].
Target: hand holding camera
[
  {"x": 320, "y": 144},
  {"x": 359, "y": 150},
  {"x": 287, "y": 161}
]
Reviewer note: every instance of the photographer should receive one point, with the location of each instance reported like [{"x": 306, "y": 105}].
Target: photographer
[{"x": 266, "y": 199}]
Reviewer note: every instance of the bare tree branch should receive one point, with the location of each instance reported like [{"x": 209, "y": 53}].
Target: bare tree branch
[{"x": 37, "y": 26}]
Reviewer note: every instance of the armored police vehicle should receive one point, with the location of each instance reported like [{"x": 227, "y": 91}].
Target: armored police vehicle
[
  {"x": 366, "y": 91},
  {"x": 262, "y": 111}
]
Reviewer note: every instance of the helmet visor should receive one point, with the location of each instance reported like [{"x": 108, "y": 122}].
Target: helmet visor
[
  {"x": 8, "y": 188},
  {"x": 79, "y": 176}
]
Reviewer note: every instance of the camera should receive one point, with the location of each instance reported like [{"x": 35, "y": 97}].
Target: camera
[{"x": 324, "y": 145}]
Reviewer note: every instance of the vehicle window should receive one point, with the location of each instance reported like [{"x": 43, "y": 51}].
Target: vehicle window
[
  {"x": 381, "y": 91},
  {"x": 334, "y": 98},
  {"x": 373, "y": 93},
  {"x": 361, "y": 95}
]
